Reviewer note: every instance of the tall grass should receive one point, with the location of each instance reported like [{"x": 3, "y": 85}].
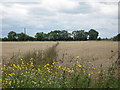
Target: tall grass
[{"x": 40, "y": 69}]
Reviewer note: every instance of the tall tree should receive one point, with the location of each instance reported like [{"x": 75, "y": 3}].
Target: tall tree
[
  {"x": 80, "y": 35},
  {"x": 54, "y": 35},
  {"x": 12, "y": 36},
  {"x": 21, "y": 37},
  {"x": 93, "y": 34},
  {"x": 41, "y": 36},
  {"x": 116, "y": 38},
  {"x": 64, "y": 35}
]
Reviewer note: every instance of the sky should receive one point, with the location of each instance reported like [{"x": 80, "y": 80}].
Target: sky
[{"x": 47, "y": 15}]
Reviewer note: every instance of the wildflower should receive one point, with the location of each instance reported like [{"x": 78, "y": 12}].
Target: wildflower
[
  {"x": 41, "y": 82},
  {"x": 70, "y": 71},
  {"x": 11, "y": 74},
  {"x": 53, "y": 63},
  {"x": 64, "y": 68},
  {"x": 21, "y": 59},
  {"x": 22, "y": 62},
  {"x": 31, "y": 59},
  {"x": 22, "y": 81},
  {"x": 84, "y": 70},
  {"x": 48, "y": 71},
  {"x": 10, "y": 82},
  {"x": 4, "y": 65},
  {"x": 12, "y": 87},
  {"x": 99, "y": 72},
  {"x": 38, "y": 69},
  {"x": 14, "y": 66},
  {"x": 94, "y": 68},
  {"x": 47, "y": 64},
  {"x": 59, "y": 67},
  {"x": 35, "y": 82},
  {"x": 79, "y": 65},
  {"x": 77, "y": 57},
  {"x": 89, "y": 74}
]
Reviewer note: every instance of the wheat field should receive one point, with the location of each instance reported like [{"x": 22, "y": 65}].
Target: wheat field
[{"x": 97, "y": 52}]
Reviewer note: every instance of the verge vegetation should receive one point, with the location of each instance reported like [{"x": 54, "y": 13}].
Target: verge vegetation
[{"x": 41, "y": 70}]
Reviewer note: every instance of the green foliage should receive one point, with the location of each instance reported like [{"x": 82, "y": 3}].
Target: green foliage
[
  {"x": 93, "y": 34},
  {"x": 80, "y": 35},
  {"x": 116, "y": 38},
  {"x": 41, "y": 36},
  {"x": 5, "y": 39},
  {"x": 24, "y": 37},
  {"x": 12, "y": 36}
]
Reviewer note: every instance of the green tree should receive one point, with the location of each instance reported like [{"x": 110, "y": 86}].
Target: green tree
[
  {"x": 93, "y": 34},
  {"x": 21, "y": 36},
  {"x": 5, "y": 39},
  {"x": 30, "y": 38},
  {"x": 99, "y": 38},
  {"x": 12, "y": 36},
  {"x": 80, "y": 35},
  {"x": 64, "y": 35},
  {"x": 116, "y": 38},
  {"x": 41, "y": 36},
  {"x": 54, "y": 35}
]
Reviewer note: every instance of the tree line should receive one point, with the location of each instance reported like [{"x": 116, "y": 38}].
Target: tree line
[{"x": 56, "y": 35}]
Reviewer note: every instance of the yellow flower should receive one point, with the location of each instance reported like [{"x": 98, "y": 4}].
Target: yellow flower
[
  {"x": 53, "y": 63},
  {"x": 22, "y": 62},
  {"x": 22, "y": 81},
  {"x": 59, "y": 67},
  {"x": 49, "y": 71},
  {"x": 4, "y": 65},
  {"x": 11, "y": 74},
  {"x": 99, "y": 72},
  {"x": 31, "y": 59},
  {"x": 79, "y": 65},
  {"x": 21, "y": 59},
  {"x": 35, "y": 82},
  {"x": 84, "y": 70},
  {"x": 89, "y": 74},
  {"x": 77, "y": 57},
  {"x": 64, "y": 68},
  {"x": 94, "y": 68},
  {"x": 41, "y": 82},
  {"x": 38, "y": 69},
  {"x": 12, "y": 87},
  {"x": 70, "y": 71},
  {"x": 47, "y": 64},
  {"x": 10, "y": 82}
]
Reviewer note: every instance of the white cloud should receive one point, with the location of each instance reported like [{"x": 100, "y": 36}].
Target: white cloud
[{"x": 49, "y": 15}]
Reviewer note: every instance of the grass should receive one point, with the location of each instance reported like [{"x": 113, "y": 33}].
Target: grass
[{"x": 39, "y": 69}]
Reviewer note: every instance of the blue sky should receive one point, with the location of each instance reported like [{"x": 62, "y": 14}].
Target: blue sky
[{"x": 47, "y": 15}]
